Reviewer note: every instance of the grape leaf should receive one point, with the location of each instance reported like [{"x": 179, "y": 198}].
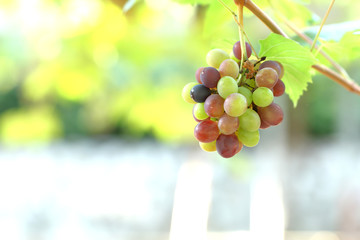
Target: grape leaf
[{"x": 296, "y": 59}]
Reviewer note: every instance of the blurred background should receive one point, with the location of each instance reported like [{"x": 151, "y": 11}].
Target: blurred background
[{"x": 97, "y": 143}]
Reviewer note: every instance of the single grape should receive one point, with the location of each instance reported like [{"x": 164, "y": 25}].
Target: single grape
[
  {"x": 229, "y": 68},
  {"x": 228, "y": 145},
  {"x": 247, "y": 93},
  {"x": 198, "y": 120},
  {"x": 197, "y": 74},
  {"x": 199, "y": 111},
  {"x": 228, "y": 125},
  {"x": 266, "y": 77},
  {"x": 199, "y": 93},
  {"x": 279, "y": 88},
  {"x": 237, "y": 50},
  {"x": 271, "y": 114},
  {"x": 262, "y": 97},
  {"x": 264, "y": 124},
  {"x": 186, "y": 92},
  {"x": 250, "y": 120},
  {"x": 210, "y": 77},
  {"x": 208, "y": 147},
  {"x": 226, "y": 86},
  {"x": 215, "y": 57},
  {"x": 235, "y": 105},
  {"x": 214, "y": 105},
  {"x": 206, "y": 131},
  {"x": 249, "y": 139},
  {"x": 274, "y": 65}
]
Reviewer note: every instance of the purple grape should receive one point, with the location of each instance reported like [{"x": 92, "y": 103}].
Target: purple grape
[
  {"x": 237, "y": 50},
  {"x": 210, "y": 77}
]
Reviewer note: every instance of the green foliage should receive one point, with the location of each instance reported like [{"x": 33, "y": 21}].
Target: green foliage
[{"x": 297, "y": 62}]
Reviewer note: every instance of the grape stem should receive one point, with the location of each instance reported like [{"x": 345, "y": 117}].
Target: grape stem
[
  {"x": 241, "y": 34},
  {"x": 345, "y": 82},
  {"x": 321, "y": 25}
]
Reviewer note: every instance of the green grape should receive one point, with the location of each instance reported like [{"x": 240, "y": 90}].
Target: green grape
[
  {"x": 199, "y": 111},
  {"x": 226, "y": 86},
  {"x": 208, "y": 147},
  {"x": 215, "y": 57},
  {"x": 263, "y": 97},
  {"x": 250, "y": 120},
  {"x": 249, "y": 139},
  {"x": 247, "y": 93},
  {"x": 186, "y": 92},
  {"x": 235, "y": 105}
]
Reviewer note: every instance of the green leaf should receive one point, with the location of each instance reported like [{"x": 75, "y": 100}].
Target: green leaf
[{"x": 296, "y": 59}]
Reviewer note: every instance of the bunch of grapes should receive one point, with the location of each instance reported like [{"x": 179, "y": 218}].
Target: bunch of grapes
[{"x": 231, "y": 106}]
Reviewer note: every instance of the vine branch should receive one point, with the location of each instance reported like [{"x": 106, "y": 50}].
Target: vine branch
[{"x": 346, "y": 83}]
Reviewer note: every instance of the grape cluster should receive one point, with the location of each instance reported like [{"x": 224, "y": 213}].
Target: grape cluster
[{"x": 231, "y": 106}]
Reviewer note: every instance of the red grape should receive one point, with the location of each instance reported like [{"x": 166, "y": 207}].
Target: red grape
[
  {"x": 228, "y": 145},
  {"x": 272, "y": 64},
  {"x": 206, "y": 131},
  {"x": 214, "y": 105},
  {"x": 271, "y": 114},
  {"x": 279, "y": 88},
  {"x": 228, "y": 125}
]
